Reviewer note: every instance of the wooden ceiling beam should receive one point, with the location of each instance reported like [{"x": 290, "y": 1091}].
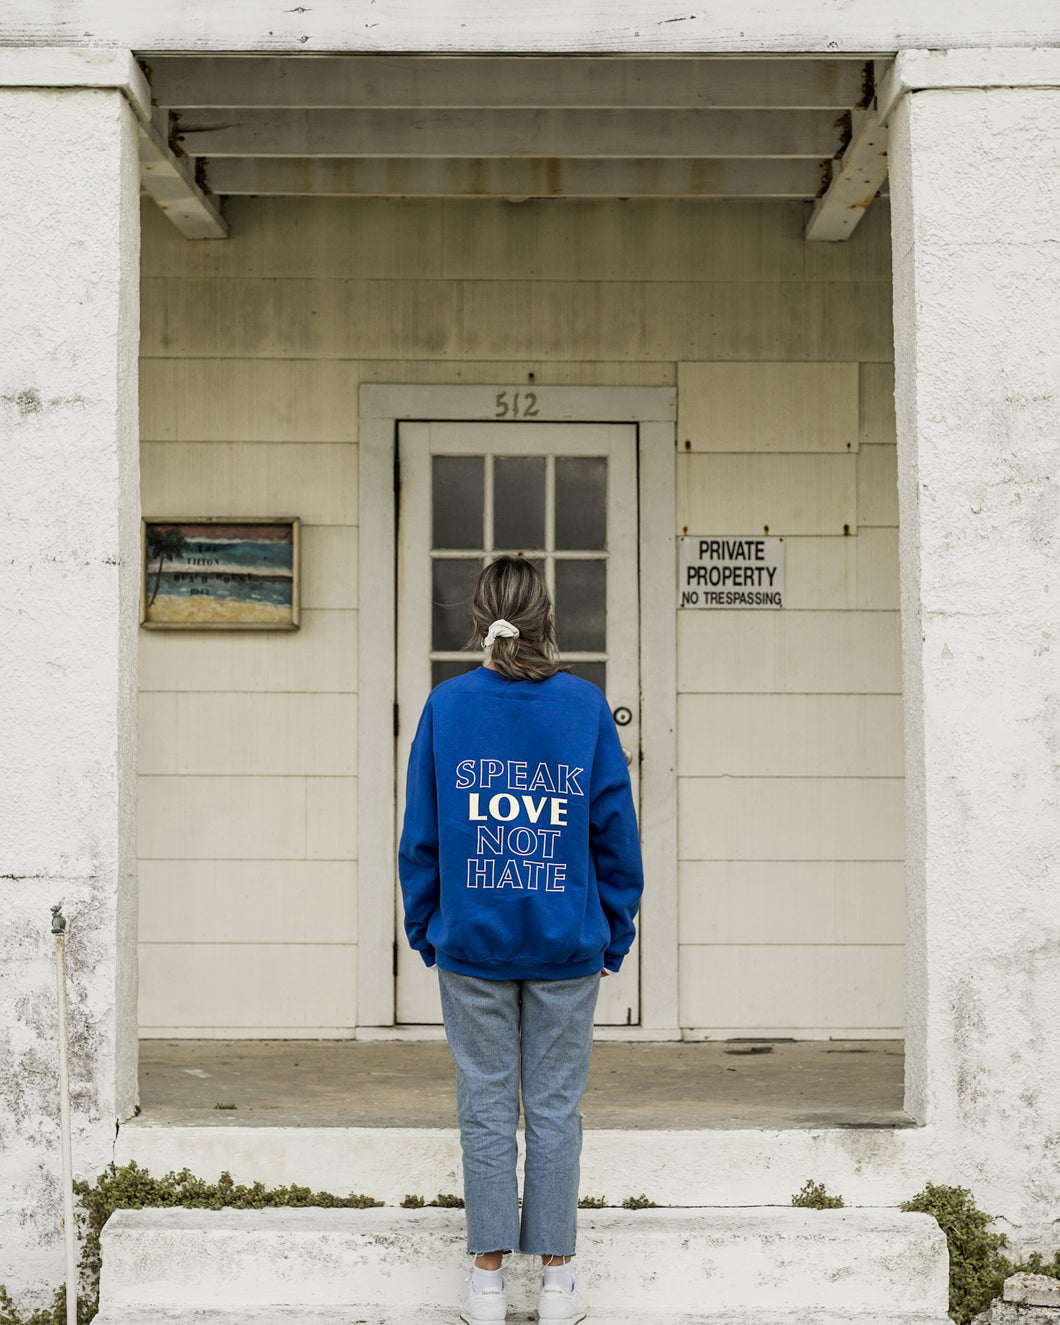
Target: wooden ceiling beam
[
  {"x": 413, "y": 82},
  {"x": 514, "y": 178},
  {"x": 857, "y": 177},
  {"x": 171, "y": 181},
  {"x": 240, "y": 131}
]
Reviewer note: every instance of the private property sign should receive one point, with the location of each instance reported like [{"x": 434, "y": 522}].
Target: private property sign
[{"x": 730, "y": 571}]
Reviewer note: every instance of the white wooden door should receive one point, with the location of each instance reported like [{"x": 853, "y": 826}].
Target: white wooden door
[{"x": 565, "y": 496}]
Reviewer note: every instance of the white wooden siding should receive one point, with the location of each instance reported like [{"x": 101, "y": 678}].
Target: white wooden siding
[
  {"x": 792, "y": 987},
  {"x": 794, "y": 652},
  {"x": 211, "y": 733},
  {"x": 788, "y": 902},
  {"x": 782, "y": 493},
  {"x": 768, "y": 406},
  {"x": 758, "y": 735},
  {"x": 320, "y": 658},
  {"x": 790, "y": 796},
  {"x": 248, "y": 901},
  {"x": 790, "y": 818},
  {"x": 250, "y": 988}
]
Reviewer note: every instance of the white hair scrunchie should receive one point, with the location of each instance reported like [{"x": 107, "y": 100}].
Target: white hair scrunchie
[{"x": 500, "y": 627}]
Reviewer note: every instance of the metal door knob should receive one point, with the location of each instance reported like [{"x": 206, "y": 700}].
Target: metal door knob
[{"x": 629, "y": 755}]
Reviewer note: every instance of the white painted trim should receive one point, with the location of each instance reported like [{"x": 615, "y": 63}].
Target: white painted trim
[
  {"x": 610, "y": 1034},
  {"x": 654, "y": 409},
  {"x": 701, "y": 1034},
  {"x": 376, "y": 787},
  {"x": 812, "y": 27},
  {"x": 71, "y": 66},
  {"x": 995, "y": 66},
  {"x": 246, "y": 1033},
  {"x": 658, "y": 741}
]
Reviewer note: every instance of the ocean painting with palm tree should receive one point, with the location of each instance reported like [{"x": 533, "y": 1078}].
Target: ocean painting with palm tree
[{"x": 229, "y": 573}]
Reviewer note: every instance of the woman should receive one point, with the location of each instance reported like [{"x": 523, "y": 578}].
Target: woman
[{"x": 521, "y": 874}]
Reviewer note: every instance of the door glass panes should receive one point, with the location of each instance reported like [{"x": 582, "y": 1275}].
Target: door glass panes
[
  {"x": 457, "y": 501},
  {"x": 519, "y": 502},
  {"x": 581, "y": 502},
  {"x": 550, "y": 508},
  {"x": 596, "y": 672},
  {"x": 581, "y": 606},
  {"x": 444, "y": 671},
  {"x": 451, "y": 582}
]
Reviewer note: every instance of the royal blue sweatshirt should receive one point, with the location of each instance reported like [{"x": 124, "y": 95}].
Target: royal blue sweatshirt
[{"x": 519, "y": 856}]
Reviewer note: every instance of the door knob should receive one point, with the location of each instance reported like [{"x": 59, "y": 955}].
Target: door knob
[{"x": 629, "y": 755}]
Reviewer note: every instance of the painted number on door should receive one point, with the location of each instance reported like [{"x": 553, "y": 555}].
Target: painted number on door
[{"x": 516, "y": 405}]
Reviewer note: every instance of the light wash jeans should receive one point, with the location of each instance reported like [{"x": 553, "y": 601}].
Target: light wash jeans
[{"x": 542, "y": 1032}]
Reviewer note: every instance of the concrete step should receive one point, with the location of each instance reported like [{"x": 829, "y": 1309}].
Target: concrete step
[
  {"x": 747, "y": 1266},
  {"x": 703, "y": 1167}
]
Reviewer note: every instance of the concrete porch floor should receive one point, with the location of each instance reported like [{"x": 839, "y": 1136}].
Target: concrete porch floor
[{"x": 724, "y": 1084}]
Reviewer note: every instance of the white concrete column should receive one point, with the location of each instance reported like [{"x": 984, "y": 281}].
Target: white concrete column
[
  {"x": 69, "y": 480},
  {"x": 975, "y": 190}
]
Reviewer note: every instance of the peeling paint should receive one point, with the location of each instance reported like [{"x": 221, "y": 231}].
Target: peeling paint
[{"x": 69, "y": 503}]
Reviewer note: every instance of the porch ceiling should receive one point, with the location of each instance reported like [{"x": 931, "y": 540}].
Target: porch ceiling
[{"x": 511, "y": 126}]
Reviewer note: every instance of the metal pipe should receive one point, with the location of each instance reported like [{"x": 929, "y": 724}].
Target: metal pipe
[{"x": 59, "y": 930}]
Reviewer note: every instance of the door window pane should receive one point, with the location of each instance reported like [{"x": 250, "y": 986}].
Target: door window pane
[
  {"x": 443, "y": 671},
  {"x": 456, "y": 501},
  {"x": 452, "y": 582},
  {"x": 581, "y": 605},
  {"x": 581, "y": 502},
  {"x": 519, "y": 502},
  {"x": 596, "y": 672}
]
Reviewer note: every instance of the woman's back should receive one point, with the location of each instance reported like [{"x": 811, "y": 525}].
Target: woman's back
[{"x": 533, "y": 843}]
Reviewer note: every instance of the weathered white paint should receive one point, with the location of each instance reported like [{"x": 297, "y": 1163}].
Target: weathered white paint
[
  {"x": 335, "y": 133},
  {"x": 170, "y": 180},
  {"x": 856, "y": 178},
  {"x": 635, "y": 26},
  {"x": 516, "y": 177},
  {"x": 984, "y": 66},
  {"x": 711, "y": 1166},
  {"x": 768, "y": 406},
  {"x": 794, "y": 1262},
  {"x": 372, "y": 81},
  {"x": 68, "y": 343},
  {"x": 80, "y": 67},
  {"x": 976, "y": 189},
  {"x": 167, "y": 178}
]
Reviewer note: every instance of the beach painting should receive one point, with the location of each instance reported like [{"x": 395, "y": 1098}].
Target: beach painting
[{"x": 222, "y": 574}]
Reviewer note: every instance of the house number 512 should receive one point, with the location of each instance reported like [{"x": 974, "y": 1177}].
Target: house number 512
[{"x": 516, "y": 405}]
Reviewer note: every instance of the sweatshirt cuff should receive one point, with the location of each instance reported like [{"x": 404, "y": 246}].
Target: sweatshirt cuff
[
  {"x": 612, "y": 963},
  {"x": 428, "y": 956}
]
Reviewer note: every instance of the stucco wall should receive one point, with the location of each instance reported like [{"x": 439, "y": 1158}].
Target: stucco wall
[
  {"x": 977, "y": 280},
  {"x": 68, "y": 345},
  {"x": 253, "y": 350}
]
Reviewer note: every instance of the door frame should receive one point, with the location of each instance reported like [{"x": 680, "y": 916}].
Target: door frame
[{"x": 653, "y": 410}]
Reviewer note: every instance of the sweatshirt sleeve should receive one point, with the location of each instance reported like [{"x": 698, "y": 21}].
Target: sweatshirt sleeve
[
  {"x": 418, "y": 851},
  {"x": 614, "y": 841}
]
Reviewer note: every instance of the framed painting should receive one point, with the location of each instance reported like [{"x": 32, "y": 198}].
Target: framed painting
[{"x": 220, "y": 573}]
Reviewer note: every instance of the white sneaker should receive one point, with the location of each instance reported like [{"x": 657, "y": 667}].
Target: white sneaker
[
  {"x": 561, "y": 1304},
  {"x": 491, "y": 1304}
]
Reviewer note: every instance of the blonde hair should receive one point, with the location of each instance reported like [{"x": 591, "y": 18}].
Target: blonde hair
[{"x": 514, "y": 590}]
